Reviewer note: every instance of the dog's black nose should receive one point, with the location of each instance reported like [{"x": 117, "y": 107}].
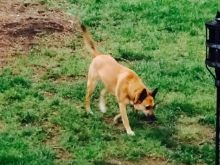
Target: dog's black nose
[{"x": 151, "y": 118}]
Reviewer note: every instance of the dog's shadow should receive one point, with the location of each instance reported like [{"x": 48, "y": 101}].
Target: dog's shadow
[{"x": 138, "y": 119}]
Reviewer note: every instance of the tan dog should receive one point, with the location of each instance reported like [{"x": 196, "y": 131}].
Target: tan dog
[{"x": 120, "y": 81}]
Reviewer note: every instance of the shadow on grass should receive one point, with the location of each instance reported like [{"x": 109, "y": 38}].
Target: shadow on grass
[
  {"x": 131, "y": 56},
  {"x": 164, "y": 127}
]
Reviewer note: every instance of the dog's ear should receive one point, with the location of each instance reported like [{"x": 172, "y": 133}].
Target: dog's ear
[
  {"x": 153, "y": 94},
  {"x": 140, "y": 96}
]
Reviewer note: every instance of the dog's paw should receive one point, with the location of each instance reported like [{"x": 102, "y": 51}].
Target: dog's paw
[
  {"x": 116, "y": 119},
  {"x": 130, "y": 133},
  {"x": 102, "y": 107}
]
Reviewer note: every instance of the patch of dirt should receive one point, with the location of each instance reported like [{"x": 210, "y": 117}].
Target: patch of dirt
[
  {"x": 40, "y": 70},
  {"x": 22, "y": 24},
  {"x": 118, "y": 126},
  {"x": 70, "y": 78},
  {"x": 53, "y": 140},
  {"x": 144, "y": 161},
  {"x": 49, "y": 95},
  {"x": 2, "y": 126},
  {"x": 189, "y": 130}
]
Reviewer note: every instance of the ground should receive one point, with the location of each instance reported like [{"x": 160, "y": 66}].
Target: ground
[
  {"x": 43, "y": 80},
  {"x": 23, "y": 23}
]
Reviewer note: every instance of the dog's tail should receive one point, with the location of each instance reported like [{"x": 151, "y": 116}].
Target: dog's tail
[{"x": 89, "y": 42}]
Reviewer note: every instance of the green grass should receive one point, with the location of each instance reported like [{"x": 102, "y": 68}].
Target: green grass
[{"x": 42, "y": 94}]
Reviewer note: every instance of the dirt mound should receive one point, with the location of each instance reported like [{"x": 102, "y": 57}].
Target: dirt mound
[{"x": 22, "y": 23}]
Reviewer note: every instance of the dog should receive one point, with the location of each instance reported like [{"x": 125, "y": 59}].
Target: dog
[{"x": 120, "y": 81}]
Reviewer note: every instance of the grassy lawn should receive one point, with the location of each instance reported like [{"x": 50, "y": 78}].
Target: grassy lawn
[{"x": 42, "y": 118}]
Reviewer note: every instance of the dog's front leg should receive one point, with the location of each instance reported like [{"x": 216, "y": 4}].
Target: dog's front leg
[{"x": 125, "y": 119}]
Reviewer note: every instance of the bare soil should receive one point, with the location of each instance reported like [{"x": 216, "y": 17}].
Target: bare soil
[
  {"x": 2, "y": 126},
  {"x": 144, "y": 161},
  {"x": 22, "y": 24},
  {"x": 189, "y": 130}
]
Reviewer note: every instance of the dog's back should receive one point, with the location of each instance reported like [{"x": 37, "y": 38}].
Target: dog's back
[
  {"x": 108, "y": 70},
  {"x": 103, "y": 67}
]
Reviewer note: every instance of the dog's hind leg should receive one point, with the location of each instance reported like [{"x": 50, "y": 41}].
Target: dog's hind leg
[
  {"x": 90, "y": 88},
  {"x": 91, "y": 84},
  {"x": 102, "y": 105}
]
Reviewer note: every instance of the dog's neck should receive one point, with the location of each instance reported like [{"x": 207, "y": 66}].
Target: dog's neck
[{"x": 133, "y": 94}]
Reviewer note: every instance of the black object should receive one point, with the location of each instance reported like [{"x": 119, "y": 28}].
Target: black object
[
  {"x": 150, "y": 118},
  {"x": 213, "y": 60}
]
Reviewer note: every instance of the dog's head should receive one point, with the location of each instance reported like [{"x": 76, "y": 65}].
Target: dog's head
[{"x": 144, "y": 101}]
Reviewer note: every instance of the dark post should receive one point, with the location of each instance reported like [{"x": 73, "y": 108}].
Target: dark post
[
  {"x": 213, "y": 60},
  {"x": 217, "y": 71}
]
